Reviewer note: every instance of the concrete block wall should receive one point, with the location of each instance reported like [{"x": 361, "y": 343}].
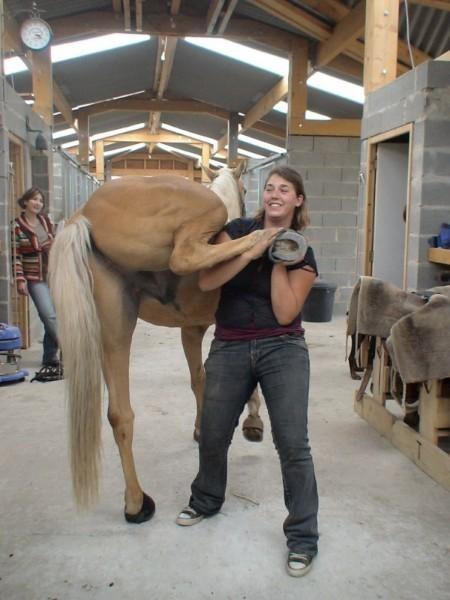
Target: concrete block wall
[
  {"x": 330, "y": 170},
  {"x": 420, "y": 97}
]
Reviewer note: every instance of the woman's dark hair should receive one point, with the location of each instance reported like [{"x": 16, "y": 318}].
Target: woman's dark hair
[
  {"x": 300, "y": 220},
  {"x": 22, "y": 201}
]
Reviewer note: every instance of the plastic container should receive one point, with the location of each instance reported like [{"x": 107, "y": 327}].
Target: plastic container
[{"x": 318, "y": 307}]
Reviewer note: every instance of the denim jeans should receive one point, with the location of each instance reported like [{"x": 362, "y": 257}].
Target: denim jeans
[
  {"x": 280, "y": 365},
  {"x": 40, "y": 295}
]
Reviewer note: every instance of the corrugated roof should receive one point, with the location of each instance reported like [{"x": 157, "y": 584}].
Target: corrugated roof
[{"x": 199, "y": 74}]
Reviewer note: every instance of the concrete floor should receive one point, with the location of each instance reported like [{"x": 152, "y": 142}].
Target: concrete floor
[{"x": 385, "y": 525}]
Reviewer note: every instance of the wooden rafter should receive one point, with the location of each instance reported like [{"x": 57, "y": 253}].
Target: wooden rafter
[
  {"x": 349, "y": 29},
  {"x": 163, "y": 68},
  {"x": 331, "y": 9},
  {"x": 126, "y": 15},
  {"x": 303, "y": 21},
  {"x": 12, "y": 41},
  {"x": 94, "y": 23},
  {"x": 144, "y": 103},
  {"x": 226, "y": 17},
  {"x": 138, "y": 13},
  {"x": 175, "y": 7},
  {"x": 212, "y": 16},
  {"x": 144, "y": 136},
  {"x": 259, "y": 110}
]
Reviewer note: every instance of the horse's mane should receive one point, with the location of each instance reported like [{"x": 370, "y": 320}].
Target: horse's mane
[{"x": 226, "y": 187}]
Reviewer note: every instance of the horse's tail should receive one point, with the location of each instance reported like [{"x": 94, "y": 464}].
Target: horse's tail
[{"x": 71, "y": 282}]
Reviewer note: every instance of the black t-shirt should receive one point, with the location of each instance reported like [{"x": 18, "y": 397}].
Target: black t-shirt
[{"x": 245, "y": 301}]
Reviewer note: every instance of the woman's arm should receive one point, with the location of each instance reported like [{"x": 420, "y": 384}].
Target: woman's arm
[
  {"x": 17, "y": 266},
  {"x": 213, "y": 278},
  {"x": 289, "y": 290}
]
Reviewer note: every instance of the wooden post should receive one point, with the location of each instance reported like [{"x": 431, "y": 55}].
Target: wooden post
[
  {"x": 83, "y": 138},
  {"x": 206, "y": 155},
  {"x": 100, "y": 160},
  {"x": 43, "y": 84},
  {"x": 381, "y": 43},
  {"x": 297, "y": 92},
  {"x": 233, "y": 131}
]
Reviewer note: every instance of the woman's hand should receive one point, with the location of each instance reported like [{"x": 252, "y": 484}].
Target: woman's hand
[
  {"x": 265, "y": 240},
  {"x": 22, "y": 288}
]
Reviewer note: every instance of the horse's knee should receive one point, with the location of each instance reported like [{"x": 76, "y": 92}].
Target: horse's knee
[{"x": 118, "y": 419}]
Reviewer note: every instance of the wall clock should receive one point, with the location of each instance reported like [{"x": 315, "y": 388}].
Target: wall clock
[{"x": 35, "y": 33}]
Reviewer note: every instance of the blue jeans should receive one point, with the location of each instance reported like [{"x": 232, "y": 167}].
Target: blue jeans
[
  {"x": 280, "y": 365},
  {"x": 40, "y": 295}
]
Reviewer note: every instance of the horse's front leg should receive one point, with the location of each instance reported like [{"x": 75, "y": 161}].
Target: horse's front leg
[
  {"x": 117, "y": 311},
  {"x": 191, "y": 338},
  {"x": 253, "y": 427}
]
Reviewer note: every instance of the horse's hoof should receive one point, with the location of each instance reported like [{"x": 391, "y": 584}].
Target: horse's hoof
[
  {"x": 253, "y": 429},
  {"x": 145, "y": 514}
]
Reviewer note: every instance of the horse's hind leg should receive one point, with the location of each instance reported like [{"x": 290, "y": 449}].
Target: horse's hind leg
[
  {"x": 192, "y": 338},
  {"x": 253, "y": 427},
  {"x": 117, "y": 311}
]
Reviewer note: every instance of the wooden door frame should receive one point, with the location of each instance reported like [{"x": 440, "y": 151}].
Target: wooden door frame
[
  {"x": 369, "y": 196},
  {"x": 21, "y": 302}
]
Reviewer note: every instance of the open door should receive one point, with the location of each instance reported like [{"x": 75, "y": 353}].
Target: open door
[{"x": 387, "y": 207}]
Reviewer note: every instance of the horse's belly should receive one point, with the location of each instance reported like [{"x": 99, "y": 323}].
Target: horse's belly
[{"x": 189, "y": 307}]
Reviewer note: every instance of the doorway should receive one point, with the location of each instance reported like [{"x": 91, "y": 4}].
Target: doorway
[{"x": 387, "y": 206}]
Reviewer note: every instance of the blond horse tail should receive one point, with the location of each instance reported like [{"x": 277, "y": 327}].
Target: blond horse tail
[{"x": 71, "y": 283}]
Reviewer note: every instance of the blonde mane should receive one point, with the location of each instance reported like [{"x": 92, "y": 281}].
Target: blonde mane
[{"x": 226, "y": 186}]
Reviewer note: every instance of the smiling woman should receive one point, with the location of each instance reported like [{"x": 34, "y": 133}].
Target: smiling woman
[{"x": 259, "y": 340}]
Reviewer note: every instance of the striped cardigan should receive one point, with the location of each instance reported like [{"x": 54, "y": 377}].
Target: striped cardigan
[{"x": 30, "y": 258}]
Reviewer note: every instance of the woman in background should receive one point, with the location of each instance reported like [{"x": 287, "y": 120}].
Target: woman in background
[{"x": 33, "y": 237}]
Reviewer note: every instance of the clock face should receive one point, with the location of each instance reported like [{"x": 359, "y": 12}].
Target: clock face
[{"x": 35, "y": 33}]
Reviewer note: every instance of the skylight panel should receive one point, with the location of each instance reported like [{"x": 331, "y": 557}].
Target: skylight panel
[
  {"x": 106, "y": 134},
  {"x": 282, "y": 106},
  {"x": 279, "y": 66},
  {"x": 191, "y": 134},
  {"x": 250, "y": 56},
  {"x": 63, "y": 133},
  {"x": 169, "y": 148},
  {"x": 70, "y": 50},
  {"x": 260, "y": 144},
  {"x": 336, "y": 86},
  {"x": 102, "y": 43}
]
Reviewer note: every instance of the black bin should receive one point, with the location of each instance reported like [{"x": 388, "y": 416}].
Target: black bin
[{"x": 318, "y": 307}]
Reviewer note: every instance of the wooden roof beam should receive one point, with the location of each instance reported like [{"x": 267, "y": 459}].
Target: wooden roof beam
[
  {"x": 226, "y": 17},
  {"x": 261, "y": 108},
  {"x": 144, "y": 136},
  {"x": 12, "y": 41},
  {"x": 350, "y": 28},
  {"x": 304, "y": 22},
  {"x": 126, "y": 15},
  {"x": 212, "y": 16},
  {"x": 138, "y": 15},
  {"x": 154, "y": 104}
]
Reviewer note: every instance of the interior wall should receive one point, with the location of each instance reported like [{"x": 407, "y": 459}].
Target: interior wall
[
  {"x": 330, "y": 170},
  {"x": 390, "y": 203}
]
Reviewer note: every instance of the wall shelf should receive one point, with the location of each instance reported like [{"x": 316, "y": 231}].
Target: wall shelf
[{"x": 439, "y": 255}]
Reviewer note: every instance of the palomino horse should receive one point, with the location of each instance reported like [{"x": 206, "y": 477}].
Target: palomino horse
[{"x": 132, "y": 251}]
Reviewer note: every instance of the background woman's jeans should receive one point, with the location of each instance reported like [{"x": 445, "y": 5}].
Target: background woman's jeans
[
  {"x": 281, "y": 366},
  {"x": 40, "y": 295}
]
